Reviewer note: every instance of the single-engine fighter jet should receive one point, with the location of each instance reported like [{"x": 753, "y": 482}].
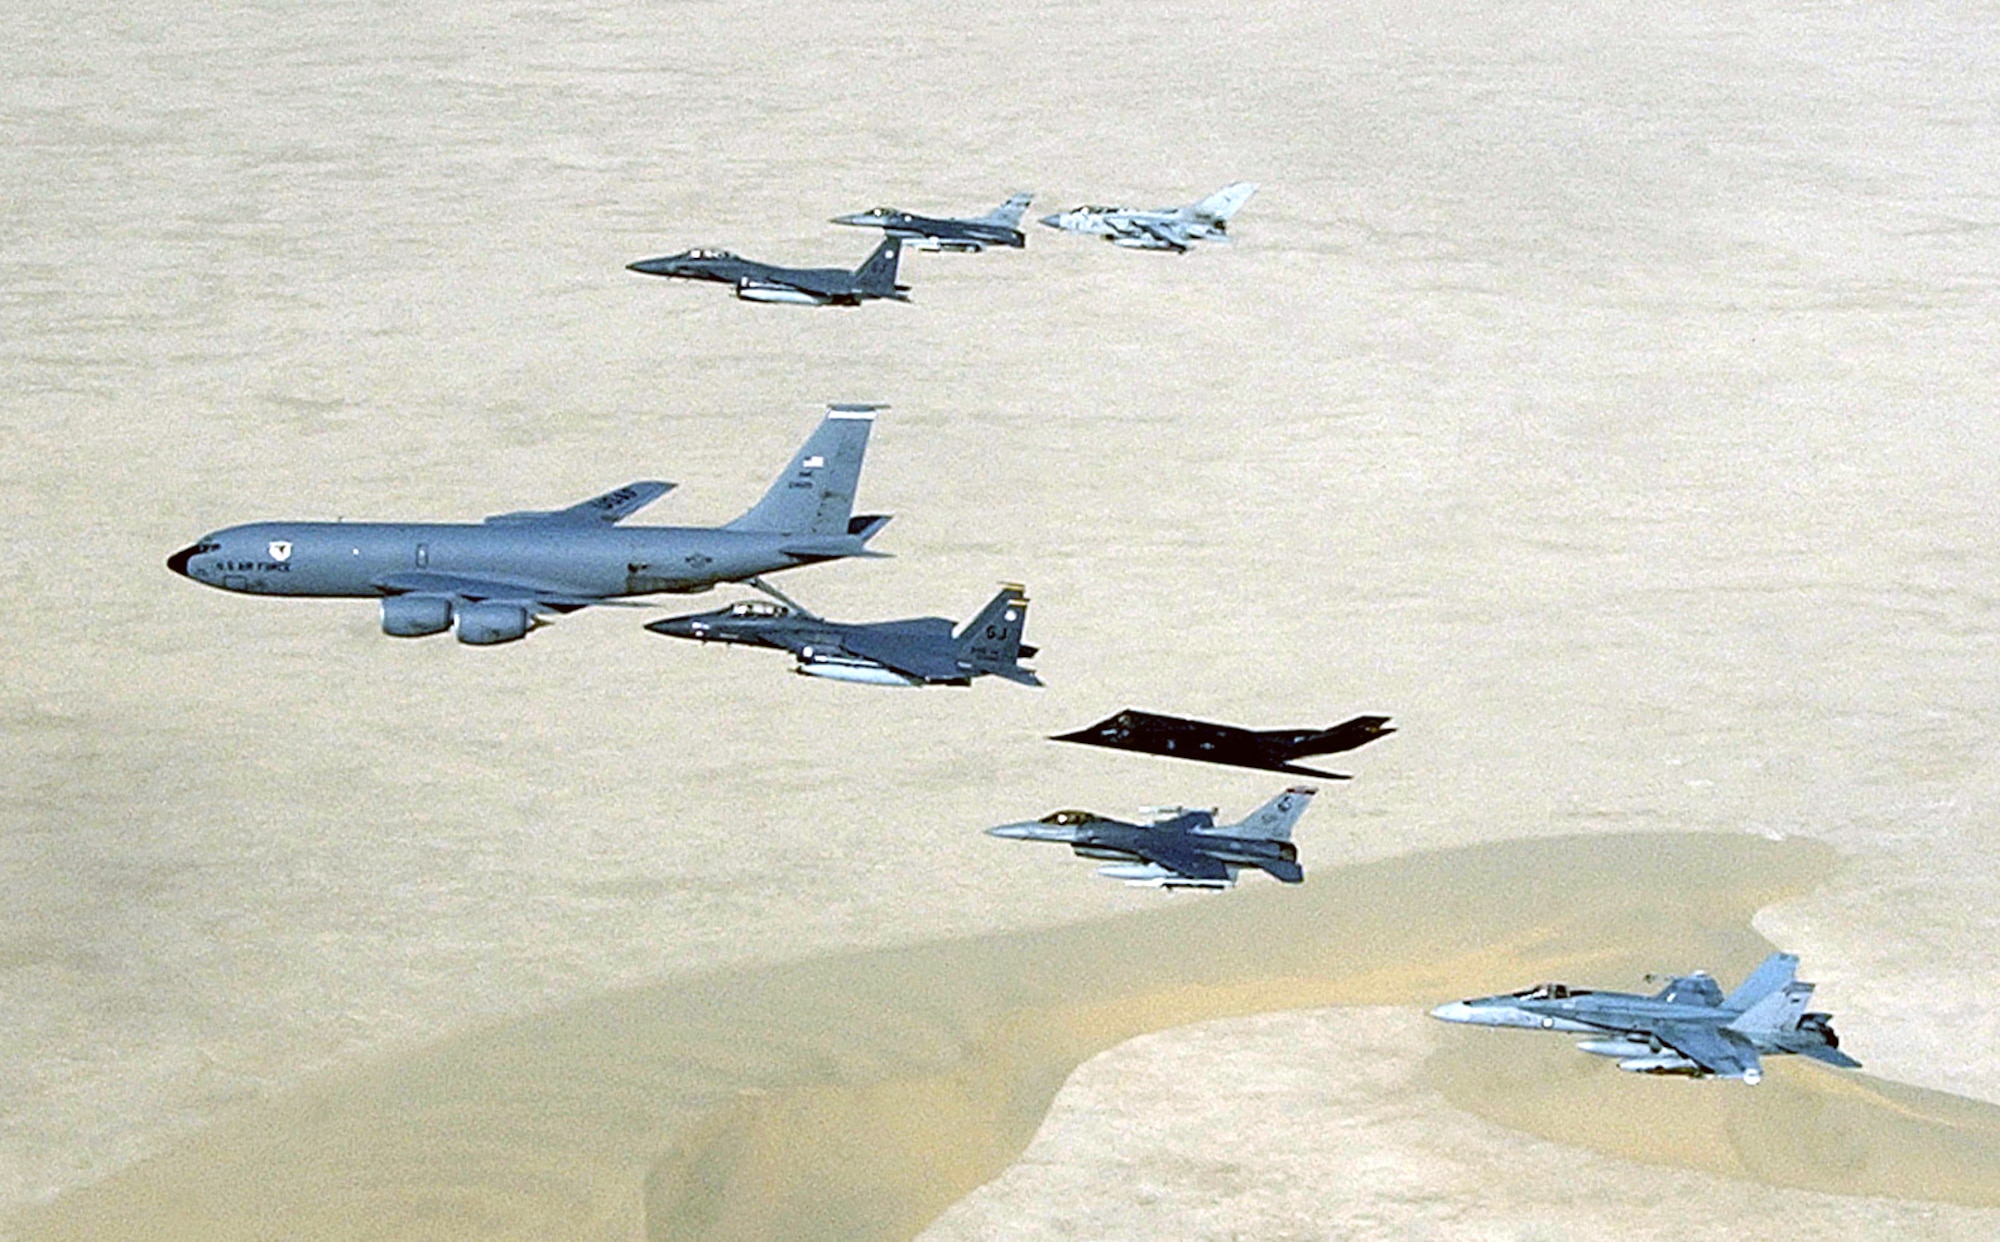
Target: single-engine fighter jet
[
  {"x": 495, "y": 580},
  {"x": 1179, "y": 848},
  {"x": 1270, "y": 750},
  {"x": 797, "y": 286},
  {"x": 999, "y": 227},
  {"x": 1688, "y": 1027},
  {"x": 1159, "y": 228},
  {"x": 922, "y": 651}
]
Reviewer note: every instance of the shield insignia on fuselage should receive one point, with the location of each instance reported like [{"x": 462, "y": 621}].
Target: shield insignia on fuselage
[{"x": 281, "y": 550}]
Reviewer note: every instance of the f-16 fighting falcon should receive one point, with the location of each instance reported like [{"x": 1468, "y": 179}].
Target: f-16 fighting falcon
[
  {"x": 495, "y": 580},
  {"x": 797, "y": 286},
  {"x": 1160, "y": 228},
  {"x": 1271, "y": 750},
  {"x": 921, "y": 651},
  {"x": 1179, "y": 848},
  {"x": 999, "y": 227},
  {"x": 1688, "y": 1027}
]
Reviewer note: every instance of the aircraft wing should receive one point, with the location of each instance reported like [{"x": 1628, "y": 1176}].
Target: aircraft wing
[
  {"x": 1714, "y": 1050},
  {"x": 922, "y": 649},
  {"x": 458, "y": 586},
  {"x": 1166, "y": 232},
  {"x": 1193, "y": 864},
  {"x": 611, "y": 508}
]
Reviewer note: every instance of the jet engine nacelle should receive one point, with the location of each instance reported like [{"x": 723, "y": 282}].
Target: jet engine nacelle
[
  {"x": 861, "y": 671},
  {"x": 413, "y": 616},
  {"x": 482, "y": 625},
  {"x": 761, "y": 291}
]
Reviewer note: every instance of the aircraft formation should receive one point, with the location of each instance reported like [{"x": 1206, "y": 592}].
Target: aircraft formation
[{"x": 493, "y": 581}]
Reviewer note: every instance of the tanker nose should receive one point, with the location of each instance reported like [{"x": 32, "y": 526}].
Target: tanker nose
[{"x": 178, "y": 562}]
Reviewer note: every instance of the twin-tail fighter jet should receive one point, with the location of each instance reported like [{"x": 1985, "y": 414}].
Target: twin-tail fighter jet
[
  {"x": 1270, "y": 750},
  {"x": 921, "y": 651},
  {"x": 1179, "y": 848},
  {"x": 496, "y": 580},
  {"x": 797, "y": 286},
  {"x": 1687, "y": 1028},
  {"x": 1160, "y": 228},
  {"x": 999, "y": 227}
]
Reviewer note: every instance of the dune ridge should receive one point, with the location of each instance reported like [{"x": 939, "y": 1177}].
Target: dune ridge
[{"x": 857, "y": 1096}]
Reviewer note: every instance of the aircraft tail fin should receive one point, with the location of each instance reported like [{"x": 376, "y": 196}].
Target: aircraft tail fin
[
  {"x": 815, "y": 494},
  {"x": 991, "y": 641},
  {"x": 1779, "y": 1010},
  {"x": 1273, "y": 821},
  {"x": 1008, "y": 214},
  {"x": 1224, "y": 203},
  {"x": 1775, "y": 972},
  {"x": 877, "y": 274}
]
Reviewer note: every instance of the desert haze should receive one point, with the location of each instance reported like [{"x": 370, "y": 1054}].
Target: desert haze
[{"x": 1607, "y": 395}]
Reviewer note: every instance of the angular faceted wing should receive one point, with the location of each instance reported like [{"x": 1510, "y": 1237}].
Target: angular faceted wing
[
  {"x": 1716, "y": 1051},
  {"x": 609, "y": 509}
]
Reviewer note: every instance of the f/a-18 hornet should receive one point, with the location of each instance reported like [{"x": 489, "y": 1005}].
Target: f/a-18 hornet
[
  {"x": 1688, "y": 1027},
  {"x": 495, "y": 580},
  {"x": 921, "y": 651},
  {"x": 1179, "y": 847},
  {"x": 1271, "y": 750},
  {"x": 798, "y": 286},
  {"x": 999, "y": 227},
  {"x": 1159, "y": 228}
]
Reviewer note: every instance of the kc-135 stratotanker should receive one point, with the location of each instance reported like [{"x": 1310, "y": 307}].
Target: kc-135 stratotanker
[{"x": 495, "y": 580}]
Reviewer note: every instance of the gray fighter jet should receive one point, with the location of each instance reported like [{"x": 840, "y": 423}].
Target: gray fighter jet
[
  {"x": 921, "y": 651},
  {"x": 1688, "y": 1027},
  {"x": 999, "y": 227},
  {"x": 1178, "y": 847},
  {"x": 495, "y": 580},
  {"x": 1159, "y": 228},
  {"x": 797, "y": 286}
]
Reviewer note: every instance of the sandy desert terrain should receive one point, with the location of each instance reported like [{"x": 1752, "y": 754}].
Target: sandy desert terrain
[{"x": 1608, "y": 396}]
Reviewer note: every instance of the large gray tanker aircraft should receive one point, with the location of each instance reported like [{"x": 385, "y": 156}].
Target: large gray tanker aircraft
[
  {"x": 1179, "y": 848},
  {"x": 495, "y": 580},
  {"x": 1688, "y": 1027},
  {"x": 797, "y": 286},
  {"x": 919, "y": 651},
  {"x": 999, "y": 227}
]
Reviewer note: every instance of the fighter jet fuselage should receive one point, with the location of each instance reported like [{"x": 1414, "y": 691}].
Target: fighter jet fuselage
[
  {"x": 799, "y": 286},
  {"x": 1181, "y": 848},
  {"x": 965, "y": 236}
]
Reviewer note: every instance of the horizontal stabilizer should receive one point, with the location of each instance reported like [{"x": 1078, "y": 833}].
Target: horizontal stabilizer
[{"x": 1829, "y": 1056}]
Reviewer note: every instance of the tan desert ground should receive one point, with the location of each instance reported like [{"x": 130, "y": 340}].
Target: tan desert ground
[{"x": 1605, "y": 393}]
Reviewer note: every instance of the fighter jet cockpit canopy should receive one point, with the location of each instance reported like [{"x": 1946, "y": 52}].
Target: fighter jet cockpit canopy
[
  {"x": 706, "y": 252},
  {"x": 760, "y": 608},
  {"x": 1551, "y": 991},
  {"x": 1066, "y": 819}
]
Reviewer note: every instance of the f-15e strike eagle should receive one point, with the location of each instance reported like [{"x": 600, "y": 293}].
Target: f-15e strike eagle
[
  {"x": 1270, "y": 750},
  {"x": 798, "y": 286},
  {"x": 1159, "y": 228},
  {"x": 1688, "y": 1027},
  {"x": 495, "y": 580},
  {"x": 999, "y": 227},
  {"x": 1179, "y": 848},
  {"x": 921, "y": 651}
]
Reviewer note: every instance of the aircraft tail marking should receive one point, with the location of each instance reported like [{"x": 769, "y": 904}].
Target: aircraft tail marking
[
  {"x": 877, "y": 273},
  {"x": 815, "y": 494},
  {"x": 991, "y": 641},
  {"x": 1273, "y": 821},
  {"x": 1778, "y": 1011},
  {"x": 1008, "y": 214}
]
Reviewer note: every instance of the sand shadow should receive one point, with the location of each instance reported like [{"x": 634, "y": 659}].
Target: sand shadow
[{"x": 857, "y": 1096}]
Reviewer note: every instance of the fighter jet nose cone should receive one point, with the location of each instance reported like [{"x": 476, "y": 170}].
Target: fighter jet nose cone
[
  {"x": 1054, "y": 222},
  {"x": 178, "y": 562},
  {"x": 675, "y": 627},
  {"x": 1009, "y": 832},
  {"x": 651, "y": 267},
  {"x": 1456, "y": 1011}
]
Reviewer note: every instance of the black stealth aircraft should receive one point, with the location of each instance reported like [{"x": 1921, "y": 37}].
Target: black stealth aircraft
[{"x": 1271, "y": 750}]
